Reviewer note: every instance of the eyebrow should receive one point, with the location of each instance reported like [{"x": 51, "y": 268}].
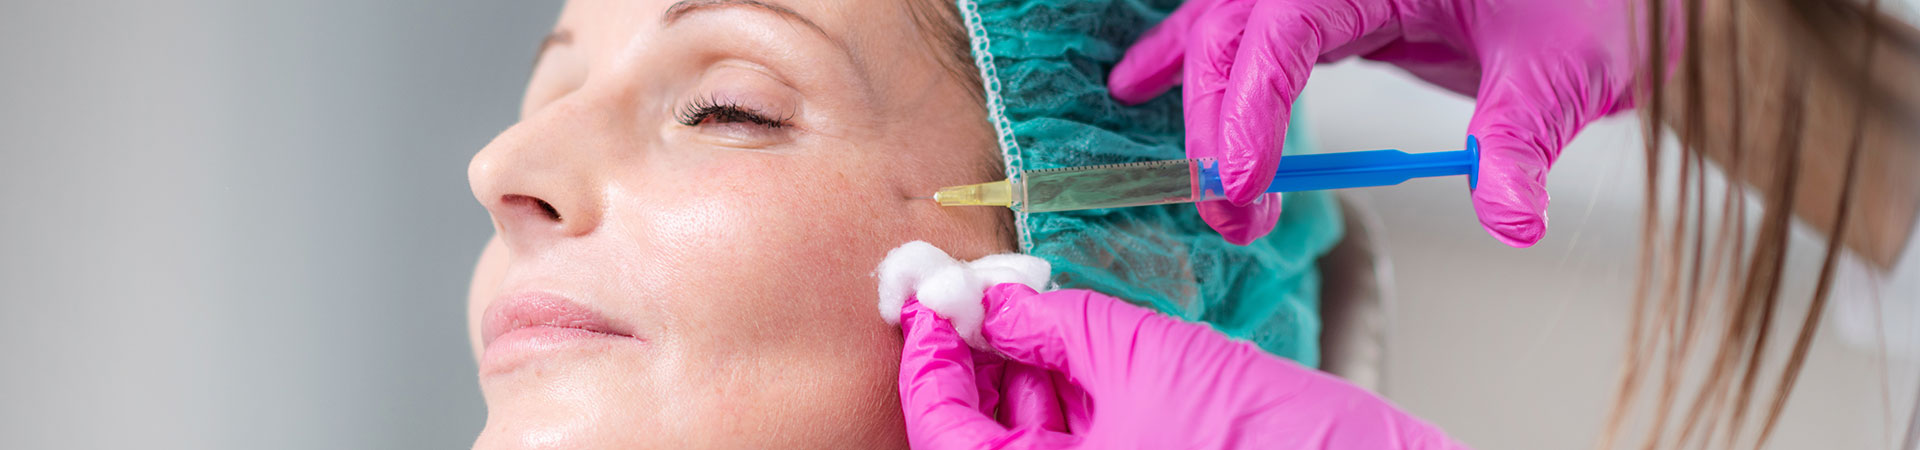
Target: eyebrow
[{"x": 684, "y": 7}]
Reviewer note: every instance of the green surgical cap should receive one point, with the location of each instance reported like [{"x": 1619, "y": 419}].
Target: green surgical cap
[{"x": 1045, "y": 64}]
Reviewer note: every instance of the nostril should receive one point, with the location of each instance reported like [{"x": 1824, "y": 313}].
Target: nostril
[
  {"x": 521, "y": 201},
  {"x": 548, "y": 208}
]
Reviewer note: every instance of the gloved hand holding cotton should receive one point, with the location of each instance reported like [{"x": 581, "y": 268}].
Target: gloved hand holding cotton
[
  {"x": 1122, "y": 376},
  {"x": 950, "y": 287}
]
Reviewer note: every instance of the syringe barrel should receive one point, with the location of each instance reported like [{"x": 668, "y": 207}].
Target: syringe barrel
[
  {"x": 1110, "y": 186},
  {"x": 1198, "y": 180}
]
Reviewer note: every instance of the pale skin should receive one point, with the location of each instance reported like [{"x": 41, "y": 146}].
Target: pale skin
[{"x": 732, "y": 249}]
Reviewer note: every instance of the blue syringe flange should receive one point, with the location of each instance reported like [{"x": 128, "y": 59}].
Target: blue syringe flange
[
  {"x": 1208, "y": 173},
  {"x": 1473, "y": 171}
]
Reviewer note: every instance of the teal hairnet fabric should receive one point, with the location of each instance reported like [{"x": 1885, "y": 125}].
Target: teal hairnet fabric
[{"x": 1044, "y": 63}]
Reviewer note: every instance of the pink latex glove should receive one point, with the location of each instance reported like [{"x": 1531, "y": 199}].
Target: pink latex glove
[
  {"x": 1540, "y": 70},
  {"x": 1134, "y": 379}
]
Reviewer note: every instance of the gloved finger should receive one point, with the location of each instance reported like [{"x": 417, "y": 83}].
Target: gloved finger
[
  {"x": 1208, "y": 64},
  {"x": 988, "y": 371},
  {"x": 1028, "y": 329},
  {"x": 1527, "y": 111},
  {"x": 1079, "y": 333},
  {"x": 1282, "y": 42},
  {"x": 937, "y": 385},
  {"x": 1074, "y": 402},
  {"x": 1241, "y": 224},
  {"x": 1031, "y": 399},
  {"x": 1511, "y": 197},
  {"x": 1152, "y": 65},
  {"x": 938, "y": 394}
]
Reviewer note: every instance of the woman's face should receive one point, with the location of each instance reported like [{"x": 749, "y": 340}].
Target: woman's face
[{"x": 688, "y": 213}]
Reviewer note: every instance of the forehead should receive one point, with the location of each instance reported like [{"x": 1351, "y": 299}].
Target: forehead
[
  {"x": 894, "y": 55},
  {"x": 867, "y": 29}
]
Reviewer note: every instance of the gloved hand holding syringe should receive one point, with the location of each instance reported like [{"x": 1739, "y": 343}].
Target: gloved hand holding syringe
[{"x": 1198, "y": 180}]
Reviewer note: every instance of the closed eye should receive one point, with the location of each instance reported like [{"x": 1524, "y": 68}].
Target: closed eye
[{"x": 708, "y": 111}]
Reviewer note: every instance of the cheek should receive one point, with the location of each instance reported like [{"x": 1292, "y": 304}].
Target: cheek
[
  {"x": 772, "y": 282},
  {"x": 763, "y": 242}
]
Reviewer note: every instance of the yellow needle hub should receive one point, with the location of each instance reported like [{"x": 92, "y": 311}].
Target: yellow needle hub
[{"x": 997, "y": 193}]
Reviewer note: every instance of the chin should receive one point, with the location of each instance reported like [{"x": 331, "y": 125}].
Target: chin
[
  {"x": 573, "y": 403},
  {"x": 557, "y": 421}
]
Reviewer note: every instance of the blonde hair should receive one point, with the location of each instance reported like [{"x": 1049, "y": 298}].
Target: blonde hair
[{"x": 1800, "y": 79}]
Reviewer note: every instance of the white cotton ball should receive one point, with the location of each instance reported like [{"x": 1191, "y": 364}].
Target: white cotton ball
[
  {"x": 902, "y": 269},
  {"x": 954, "y": 292},
  {"x": 1013, "y": 268},
  {"x": 949, "y": 288}
]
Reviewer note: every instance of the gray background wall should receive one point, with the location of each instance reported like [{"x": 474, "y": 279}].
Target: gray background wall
[
  {"x": 246, "y": 224},
  {"x": 234, "y": 224}
]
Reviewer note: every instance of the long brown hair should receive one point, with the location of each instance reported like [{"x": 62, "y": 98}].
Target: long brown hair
[{"x": 1792, "y": 98}]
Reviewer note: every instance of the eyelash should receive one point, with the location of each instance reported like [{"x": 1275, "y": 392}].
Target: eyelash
[{"x": 704, "y": 110}]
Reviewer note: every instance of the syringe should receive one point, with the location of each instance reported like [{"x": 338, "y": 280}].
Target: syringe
[{"x": 1198, "y": 180}]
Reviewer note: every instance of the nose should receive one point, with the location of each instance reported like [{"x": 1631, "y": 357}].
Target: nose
[{"x": 539, "y": 181}]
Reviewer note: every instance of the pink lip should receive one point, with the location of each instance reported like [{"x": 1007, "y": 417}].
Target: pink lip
[{"x": 525, "y": 325}]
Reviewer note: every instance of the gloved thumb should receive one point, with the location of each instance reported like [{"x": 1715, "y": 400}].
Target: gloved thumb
[
  {"x": 1081, "y": 334},
  {"x": 1520, "y": 133},
  {"x": 1510, "y": 197}
]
